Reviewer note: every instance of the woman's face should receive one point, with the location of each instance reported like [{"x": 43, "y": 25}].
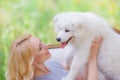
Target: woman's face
[{"x": 40, "y": 49}]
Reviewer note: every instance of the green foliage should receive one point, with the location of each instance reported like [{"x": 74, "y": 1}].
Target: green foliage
[{"x": 18, "y": 17}]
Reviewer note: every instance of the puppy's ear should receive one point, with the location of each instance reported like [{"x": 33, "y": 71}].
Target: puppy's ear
[
  {"x": 76, "y": 23},
  {"x": 55, "y": 19}
]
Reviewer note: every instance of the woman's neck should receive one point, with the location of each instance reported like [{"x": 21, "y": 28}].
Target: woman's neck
[{"x": 41, "y": 70}]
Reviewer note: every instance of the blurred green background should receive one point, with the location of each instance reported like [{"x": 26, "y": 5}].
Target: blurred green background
[{"x": 18, "y": 17}]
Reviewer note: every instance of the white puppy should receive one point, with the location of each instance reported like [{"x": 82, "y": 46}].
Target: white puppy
[{"x": 76, "y": 31}]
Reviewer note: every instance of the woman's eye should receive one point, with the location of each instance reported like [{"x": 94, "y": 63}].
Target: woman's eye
[
  {"x": 67, "y": 30},
  {"x": 40, "y": 48}
]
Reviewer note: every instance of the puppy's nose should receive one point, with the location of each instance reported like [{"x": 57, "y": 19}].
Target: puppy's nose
[{"x": 58, "y": 39}]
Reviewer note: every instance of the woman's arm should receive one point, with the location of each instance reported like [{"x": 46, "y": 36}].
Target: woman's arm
[{"x": 92, "y": 64}]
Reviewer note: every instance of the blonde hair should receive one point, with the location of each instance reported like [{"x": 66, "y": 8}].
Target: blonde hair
[{"x": 21, "y": 53}]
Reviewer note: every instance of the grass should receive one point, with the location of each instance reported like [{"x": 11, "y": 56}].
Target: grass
[{"x": 19, "y": 17}]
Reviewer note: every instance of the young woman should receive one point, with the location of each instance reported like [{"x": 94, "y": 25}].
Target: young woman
[{"x": 29, "y": 59}]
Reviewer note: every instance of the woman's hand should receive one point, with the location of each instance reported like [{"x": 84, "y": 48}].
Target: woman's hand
[{"x": 95, "y": 48}]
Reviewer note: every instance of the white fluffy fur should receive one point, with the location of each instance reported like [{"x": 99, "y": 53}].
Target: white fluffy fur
[{"x": 84, "y": 27}]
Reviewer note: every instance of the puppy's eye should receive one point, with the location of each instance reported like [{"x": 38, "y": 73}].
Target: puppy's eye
[{"x": 67, "y": 30}]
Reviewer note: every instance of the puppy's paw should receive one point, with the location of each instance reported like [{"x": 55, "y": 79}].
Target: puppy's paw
[{"x": 66, "y": 78}]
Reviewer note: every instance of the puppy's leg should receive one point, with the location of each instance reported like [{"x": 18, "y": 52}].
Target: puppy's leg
[
  {"x": 77, "y": 66},
  {"x": 68, "y": 59}
]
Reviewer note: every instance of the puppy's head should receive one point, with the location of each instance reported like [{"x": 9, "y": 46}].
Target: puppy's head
[{"x": 66, "y": 25}]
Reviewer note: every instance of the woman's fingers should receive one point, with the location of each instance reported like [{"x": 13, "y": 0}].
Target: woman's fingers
[
  {"x": 97, "y": 42},
  {"x": 95, "y": 47}
]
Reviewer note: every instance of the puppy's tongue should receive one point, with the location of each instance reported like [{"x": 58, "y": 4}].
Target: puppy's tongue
[{"x": 63, "y": 44}]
